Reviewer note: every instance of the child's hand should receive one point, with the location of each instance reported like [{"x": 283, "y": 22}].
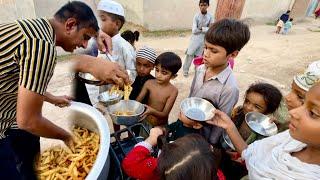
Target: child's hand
[
  {"x": 154, "y": 134},
  {"x": 221, "y": 119},
  {"x": 183, "y": 117},
  {"x": 149, "y": 110}
]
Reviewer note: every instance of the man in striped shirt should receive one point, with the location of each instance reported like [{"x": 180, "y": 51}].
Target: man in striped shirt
[{"x": 27, "y": 61}]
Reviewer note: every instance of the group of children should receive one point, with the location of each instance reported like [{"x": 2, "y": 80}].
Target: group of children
[
  {"x": 196, "y": 152},
  {"x": 284, "y": 22},
  {"x": 215, "y": 82}
]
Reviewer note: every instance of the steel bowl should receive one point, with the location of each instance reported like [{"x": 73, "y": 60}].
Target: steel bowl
[
  {"x": 227, "y": 141},
  {"x": 124, "y": 106},
  {"x": 88, "y": 78},
  {"x": 261, "y": 124},
  {"x": 107, "y": 98},
  {"x": 197, "y": 109}
]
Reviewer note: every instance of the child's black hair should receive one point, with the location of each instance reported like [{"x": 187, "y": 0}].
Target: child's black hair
[
  {"x": 231, "y": 34},
  {"x": 130, "y": 36},
  {"x": 188, "y": 157},
  {"x": 271, "y": 95},
  {"x": 169, "y": 61},
  {"x": 81, "y": 12},
  {"x": 291, "y": 19},
  {"x": 116, "y": 17},
  {"x": 204, "y": 1}
]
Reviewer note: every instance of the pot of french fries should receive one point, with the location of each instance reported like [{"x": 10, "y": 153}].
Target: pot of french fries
[{"x": 89, "y": 157}]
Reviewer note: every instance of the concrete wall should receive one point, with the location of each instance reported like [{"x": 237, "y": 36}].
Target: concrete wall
[
  {"x": 133, "y": 10},
  {"x": 265, "y": 10},
  {"x": 171, "y": 14},
  {"x": 299, "y": 9},
  {"x": 16, "y": 9},
  {"x": 45, "y": 8}
]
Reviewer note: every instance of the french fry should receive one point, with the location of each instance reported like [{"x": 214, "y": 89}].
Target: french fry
[
  {"x": 127, "y": 92},
  {"x": 59, "y": 163}
]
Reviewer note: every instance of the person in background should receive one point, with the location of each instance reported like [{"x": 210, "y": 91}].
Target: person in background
[
  {"x": 317, "y": 13},
  {"x": 287, "y": 26},
  {"x": 282, "y": 20},
  {"x": 131, "y": 37},
  {"x": 200, "y": 26}
]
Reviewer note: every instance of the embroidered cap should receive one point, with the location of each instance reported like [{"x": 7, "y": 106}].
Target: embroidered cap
[
  {"x": 311, "y": 76},
  {"x": 110, "y": 6},
  {"x": 147, "y": 53}
]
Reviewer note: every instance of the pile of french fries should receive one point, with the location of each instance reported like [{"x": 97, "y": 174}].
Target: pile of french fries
[{"x": 62, "y": 163}]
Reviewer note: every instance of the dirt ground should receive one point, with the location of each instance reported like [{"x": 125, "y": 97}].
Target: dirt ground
[{"x": 267, "y": 57}]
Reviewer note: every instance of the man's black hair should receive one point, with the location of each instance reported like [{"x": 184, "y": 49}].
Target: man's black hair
[
  {"x": 204, "y": 1},
  {"x": 81, "y": 12}
]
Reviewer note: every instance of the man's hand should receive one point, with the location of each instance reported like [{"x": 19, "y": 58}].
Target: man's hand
[
  {"x": 104, "y": 42},
  {"x": 69, "y": 142},
  {"x": 61, "y": 101},
  {"x": 109, "y": 72}
]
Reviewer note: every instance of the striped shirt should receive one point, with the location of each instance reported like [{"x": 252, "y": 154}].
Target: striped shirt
[{"x": 27, "y": 58}]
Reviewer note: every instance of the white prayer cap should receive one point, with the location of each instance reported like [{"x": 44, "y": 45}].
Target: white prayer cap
[
  {"x": 110, "y": 6},
  {"x": 310, "y": 77}
]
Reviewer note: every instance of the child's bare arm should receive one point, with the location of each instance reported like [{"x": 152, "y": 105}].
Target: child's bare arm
[{"x": 143, "y": 92}]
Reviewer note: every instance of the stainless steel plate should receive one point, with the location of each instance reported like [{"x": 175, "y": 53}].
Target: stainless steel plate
[
  {"x": 261, "y": 124},
  {"x": 108, "y": 98},
  {"x": 197, "y": 109},
  {"x": 227, "y": 140}
]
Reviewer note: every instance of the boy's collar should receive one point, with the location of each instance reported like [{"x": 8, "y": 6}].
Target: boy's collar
[{"x": 222, "y": 76}]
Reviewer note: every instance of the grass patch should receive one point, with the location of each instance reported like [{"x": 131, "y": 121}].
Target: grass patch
[
  {"x": 270, "y": 24},
  {"x": 166, "y": 33},
  {"x": 314, "y": 30},
  {"x": 64, "y": 57},
  {"x": 146, "y": 33}
]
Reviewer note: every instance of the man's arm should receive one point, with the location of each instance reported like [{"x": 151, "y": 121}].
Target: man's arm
[
  {"x": 106, "y": 71},
  {"x": 60, "y": 101},
  {"x": 29, "y": 116}
]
